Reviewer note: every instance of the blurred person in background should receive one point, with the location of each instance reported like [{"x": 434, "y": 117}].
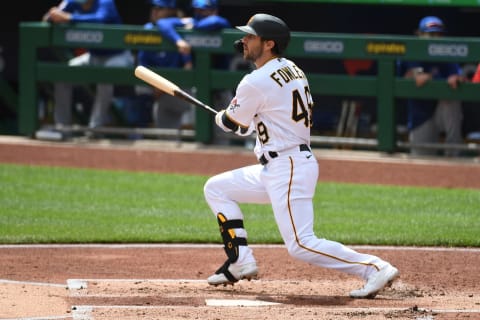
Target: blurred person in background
[
  {"x": 167, "y": 111},
  {"x": 429, "y": 119},
  {"x": 88, "y": 11},
  {"x": 205, "y": 18}
]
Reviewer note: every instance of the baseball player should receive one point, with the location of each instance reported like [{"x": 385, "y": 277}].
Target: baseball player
[{"x": 275, "y": 101}]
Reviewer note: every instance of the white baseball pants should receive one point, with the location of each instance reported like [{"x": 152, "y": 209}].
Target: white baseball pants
[{"x": 287, "y": 182}]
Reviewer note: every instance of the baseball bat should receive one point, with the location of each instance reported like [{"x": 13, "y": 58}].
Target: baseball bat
[{"x": 168, "y": 87}]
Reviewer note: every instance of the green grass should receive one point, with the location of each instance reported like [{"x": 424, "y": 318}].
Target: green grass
[{"x": 64, "y": 205}]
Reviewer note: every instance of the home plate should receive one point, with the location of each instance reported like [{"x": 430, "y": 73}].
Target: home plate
[
  {"x": 238, "y": 303},
  {"x": 76, "y": 284}
]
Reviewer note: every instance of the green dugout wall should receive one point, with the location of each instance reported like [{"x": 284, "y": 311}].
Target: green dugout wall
[{"x": 383, "y": 86}]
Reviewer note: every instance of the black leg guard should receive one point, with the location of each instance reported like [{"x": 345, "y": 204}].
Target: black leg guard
[{"x": 230, "y": 239}]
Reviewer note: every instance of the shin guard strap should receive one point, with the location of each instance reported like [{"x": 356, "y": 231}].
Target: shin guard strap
[
  {"x": 224, "y": 269},
  {"x": 232, "y": 224}
]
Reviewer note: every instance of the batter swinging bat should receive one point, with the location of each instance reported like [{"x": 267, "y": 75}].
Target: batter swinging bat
[{"x": 168, "y": 87}]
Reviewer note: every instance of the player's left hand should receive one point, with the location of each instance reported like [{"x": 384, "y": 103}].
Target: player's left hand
[{"x": 245, "y": 133}]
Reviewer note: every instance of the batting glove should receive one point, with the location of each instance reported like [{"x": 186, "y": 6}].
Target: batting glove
[
  {"x": 219, "y": 121},
  {"x": 223, "y": 121}
]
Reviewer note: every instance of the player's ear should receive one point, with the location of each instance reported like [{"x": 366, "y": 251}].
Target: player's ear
[{"x": 270, "y": 44}]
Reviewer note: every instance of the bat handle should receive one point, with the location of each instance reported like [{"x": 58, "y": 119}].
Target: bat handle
[{"x": 195, "y": 101}]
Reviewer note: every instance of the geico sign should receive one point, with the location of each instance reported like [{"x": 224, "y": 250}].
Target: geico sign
[
  {"x": 204, "y": 41},
  {"x": 449, "y": 50},
  {"x": 323, "y": 46},
  {"x": 84, "y": 36}
]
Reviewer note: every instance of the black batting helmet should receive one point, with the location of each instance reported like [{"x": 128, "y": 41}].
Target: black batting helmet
[{"x": 268, "y": 27}]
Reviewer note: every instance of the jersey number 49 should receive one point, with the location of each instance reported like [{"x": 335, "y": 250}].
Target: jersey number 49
[{"x": 302, "y": 106}]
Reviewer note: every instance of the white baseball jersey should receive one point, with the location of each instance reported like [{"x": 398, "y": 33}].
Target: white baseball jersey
[{"x": 277, "y": 99}]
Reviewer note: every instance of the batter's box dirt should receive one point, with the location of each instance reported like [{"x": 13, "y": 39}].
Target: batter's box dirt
[{"x": 256, "y": 299}]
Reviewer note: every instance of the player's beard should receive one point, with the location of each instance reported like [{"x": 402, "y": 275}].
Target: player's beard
[{"x": 252, "y": 54}]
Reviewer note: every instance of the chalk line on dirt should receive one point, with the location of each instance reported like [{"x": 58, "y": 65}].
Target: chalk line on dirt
[
  {"x": 42, "y": 318},
  {"x": 47, "y": 284},
  {"x": 203, "y": 246},
  {"x": 76, "y": 284}
]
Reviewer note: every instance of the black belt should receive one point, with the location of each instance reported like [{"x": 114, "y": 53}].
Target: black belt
[{"x": 273, "y": 154}]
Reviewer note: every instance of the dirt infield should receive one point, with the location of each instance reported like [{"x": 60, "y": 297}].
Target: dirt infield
[{"x": 168, "y": 281}]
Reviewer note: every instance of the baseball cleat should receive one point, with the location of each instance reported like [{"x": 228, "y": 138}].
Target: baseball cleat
[
  {"x": 376, "y": 282},
  {"x": 230, "y": 273}
]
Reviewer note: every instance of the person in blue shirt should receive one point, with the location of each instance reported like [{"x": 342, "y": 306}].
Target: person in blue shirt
[
  {"x": 163, "y": 10},
  {"x": 205, "y": 18},
  {"x": 428, "y": 119},
  {"x": 88, "y": 11},
  {"x": 167, "y": 111}
]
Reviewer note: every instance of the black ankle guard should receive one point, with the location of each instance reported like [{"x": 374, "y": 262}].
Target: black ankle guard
[{"x": 230, "y": 239}]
